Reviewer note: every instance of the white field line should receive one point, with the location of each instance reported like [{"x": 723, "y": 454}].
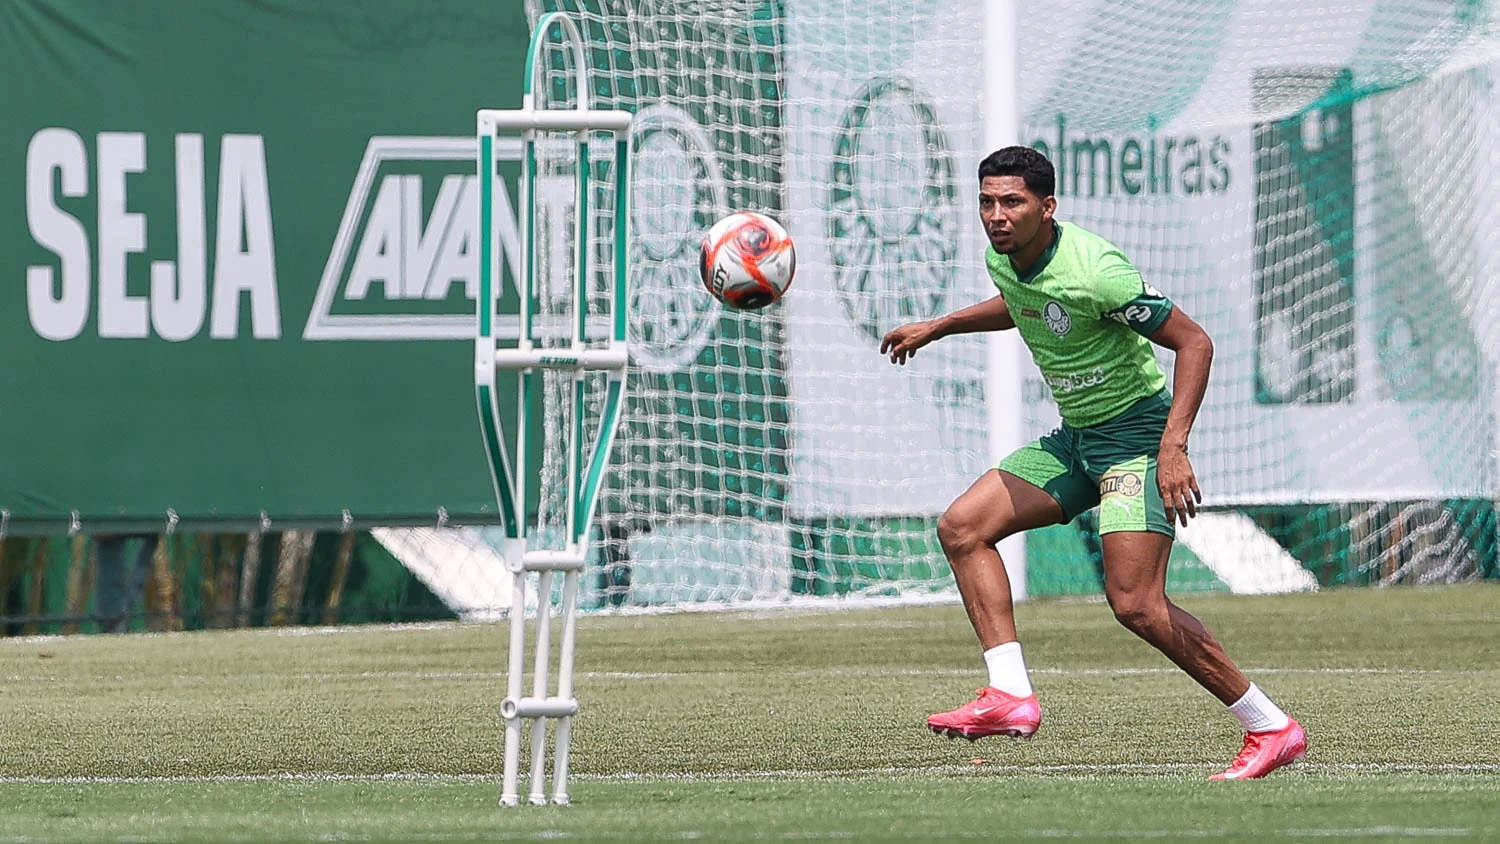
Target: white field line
[
  {"x": 683, "y": 675},
  {"x": 896, "y": 772},
  {"x": 1380, "y": 832},
  {"x": 1238, "y": 833}
]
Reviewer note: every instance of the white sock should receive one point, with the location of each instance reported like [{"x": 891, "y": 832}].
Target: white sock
[
  {"x": 1258, "y": 713},
  {"x": 1008, "y": 669}
]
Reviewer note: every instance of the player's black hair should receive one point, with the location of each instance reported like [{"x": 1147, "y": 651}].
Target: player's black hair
[{"x": 1033, "y": 168}]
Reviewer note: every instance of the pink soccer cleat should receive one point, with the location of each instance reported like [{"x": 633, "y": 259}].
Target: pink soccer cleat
[
  {"x": 991, "y": 713},
  {"x": 1265, "y": 752}
]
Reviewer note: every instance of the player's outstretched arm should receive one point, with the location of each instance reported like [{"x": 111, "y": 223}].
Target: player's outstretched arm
[
  {"x": 1195, "y": 353},
  {"x": 903, "y": 342}
]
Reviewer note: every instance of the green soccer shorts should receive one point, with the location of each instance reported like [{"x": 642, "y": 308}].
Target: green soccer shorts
[{"x": 1111, "y": 466}]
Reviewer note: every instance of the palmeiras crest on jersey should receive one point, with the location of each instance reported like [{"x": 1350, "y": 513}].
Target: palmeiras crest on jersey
[
  {"x": 1057, "y": 318},
  {"x": 677, "y": 193},
  {"x": 892, "y": 209}
]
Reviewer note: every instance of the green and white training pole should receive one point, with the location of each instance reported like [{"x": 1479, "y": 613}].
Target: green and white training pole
[{"x": 583, "y": 354}]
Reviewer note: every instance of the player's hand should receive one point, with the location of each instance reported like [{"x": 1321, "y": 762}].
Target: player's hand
[
  {"x": 1178, "y": 485},
  {"x": 902, "y": 343}
]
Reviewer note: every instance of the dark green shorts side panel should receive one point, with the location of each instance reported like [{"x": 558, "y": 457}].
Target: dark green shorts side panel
[{"x": 1040, "y": 464}]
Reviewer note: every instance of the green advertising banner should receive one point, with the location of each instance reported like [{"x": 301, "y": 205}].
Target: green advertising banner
[{"x": 240, "y": 246}]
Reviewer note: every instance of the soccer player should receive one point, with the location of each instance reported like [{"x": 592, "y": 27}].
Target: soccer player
[{"x": 1086, "y": 315}]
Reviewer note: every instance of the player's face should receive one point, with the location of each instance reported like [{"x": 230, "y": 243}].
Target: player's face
[{"x": 1013, "y": 216}]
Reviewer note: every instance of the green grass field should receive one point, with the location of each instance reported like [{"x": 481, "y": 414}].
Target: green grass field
[{"x": 765, "y": 725}]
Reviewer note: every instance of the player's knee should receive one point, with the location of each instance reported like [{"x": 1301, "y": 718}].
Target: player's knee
[
  {"x": 951, "y": 533},
  {"x": 959, "y": 535},
  {"x": 1145, "y": 615}
]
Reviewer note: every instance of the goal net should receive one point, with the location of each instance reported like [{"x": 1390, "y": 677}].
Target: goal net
[
  {"x": 1315, "y": 184},
  {"x": 1312, "y": 184},
  {"x": 776, "y": 454}
]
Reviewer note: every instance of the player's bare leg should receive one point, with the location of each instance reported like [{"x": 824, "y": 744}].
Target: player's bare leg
[
  {"x": 996, "y": 506},
  {"x": 1135, "y": 577},
  {"x": 1135, "y": 582}
]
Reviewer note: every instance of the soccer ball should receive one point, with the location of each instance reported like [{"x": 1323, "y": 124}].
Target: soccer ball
[{"x": 747, "y": 260}]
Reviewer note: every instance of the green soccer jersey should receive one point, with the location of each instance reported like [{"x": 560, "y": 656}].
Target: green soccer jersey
[{"x": 1084, "y": 312}]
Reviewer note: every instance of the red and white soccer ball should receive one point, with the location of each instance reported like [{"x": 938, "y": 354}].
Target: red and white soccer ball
[{"x": 748, "y": 260}]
